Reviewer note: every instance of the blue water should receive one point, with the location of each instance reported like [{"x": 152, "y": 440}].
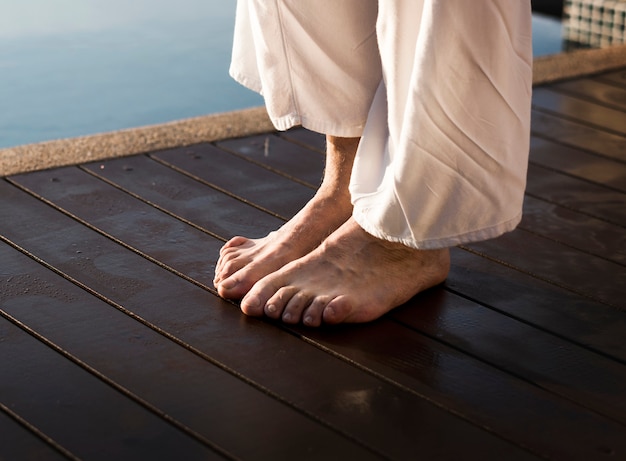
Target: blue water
[
  {"x": 77, "y": 67},
  {"x": 547, "y": 35}
]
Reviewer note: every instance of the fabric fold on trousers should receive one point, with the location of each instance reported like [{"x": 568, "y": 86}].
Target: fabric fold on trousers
[
  {"x": 439, "y": 90},
  {"x": 456, "y": 97},
  {"x": 316, "y": 63}
]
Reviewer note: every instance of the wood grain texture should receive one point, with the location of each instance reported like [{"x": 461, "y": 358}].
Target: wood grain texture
[
  {"x": 542, "y": 304},
  {"x": 21, "y": 442},
  {"x": 580, "y": 109},
  {"x": 577, "y": 195},
  {"x": 578, "y": 163},
  {"x": 595, "y": 90},
  {"x": 242, "y": 178},
  {"x": 578, "y": 135},
  {"x": 81, "y": 412},
  {"x": 279, "y": 155},
  {"x": 617, "y": 78}
]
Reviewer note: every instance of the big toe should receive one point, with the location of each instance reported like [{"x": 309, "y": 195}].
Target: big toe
[{"x": 233, "y": 287}]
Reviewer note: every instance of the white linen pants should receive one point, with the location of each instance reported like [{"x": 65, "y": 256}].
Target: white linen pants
[{"x": 439, "y": 90}]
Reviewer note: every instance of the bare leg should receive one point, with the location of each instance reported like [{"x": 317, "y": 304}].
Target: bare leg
[
  {"x": 351, "y": 277},
  {"x": 244, "y": 261}
]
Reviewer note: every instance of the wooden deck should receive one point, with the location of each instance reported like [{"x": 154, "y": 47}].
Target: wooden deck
[{"x": 113, "y": 344}]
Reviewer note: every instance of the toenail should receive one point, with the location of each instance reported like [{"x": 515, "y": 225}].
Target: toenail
[
  {"x": 229, "y": 284},
  {"x": 271, "y": 308},
  {"x": 308, "y": 320},
  {"x": 253, "y": 302},
  {"x": 287, "y": 317}
]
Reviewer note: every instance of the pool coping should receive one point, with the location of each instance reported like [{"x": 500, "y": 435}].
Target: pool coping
[{"x": 246, "y": 122}]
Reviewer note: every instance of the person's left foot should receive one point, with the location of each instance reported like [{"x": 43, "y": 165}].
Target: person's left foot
[{"x": 351, "y": 277}]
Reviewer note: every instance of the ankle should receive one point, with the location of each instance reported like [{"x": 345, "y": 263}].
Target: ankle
[
  {"x": 340, "y": 154},
  {"x": 332, "y": 198},
  {"x": 344, "y": 145}
]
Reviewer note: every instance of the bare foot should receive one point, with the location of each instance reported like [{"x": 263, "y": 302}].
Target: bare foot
[
  {"x": 351, "y": 277},
  {"x": 244, "y": 261}
]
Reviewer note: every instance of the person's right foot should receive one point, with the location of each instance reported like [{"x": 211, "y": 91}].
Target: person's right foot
[{"x": 244, "y": 261}]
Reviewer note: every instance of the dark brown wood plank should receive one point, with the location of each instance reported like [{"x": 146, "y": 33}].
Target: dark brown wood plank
[
  {"x": 207, "y": 399},
  {"x": 240, "y": 177},
  {"x": 574, "y": 108},
  {"x": 616, "y": 77},
  {"x": 141, "y": 223},
  {"x": 577, "y": 195},
  {"x": 306, "y": 138},
  {"x": 19, "y": 443},
  {"x": 544, "y": 305},
  {"x": 518, "y": 410},
  {"x": 594, "y": 90},
  {"x": 406, "y": 425},
  {"x": 587, "y": 275},
  {"x": 79, "y": 411},
  {"x": 579, "y": 135},
  {"x": 279, "y": 155},
  {"x": 578, "y": 163},
  {"x": 568, "y": 370},
  {"x": 188, "y": 199},
  {"x": 574, "y": 229}
]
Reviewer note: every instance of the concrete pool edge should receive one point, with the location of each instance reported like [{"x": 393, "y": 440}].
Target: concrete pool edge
[
  {"x": 246, "y": 122},
  {"x": 579, "y": 63},
  {"x": 71, "y": 151}
]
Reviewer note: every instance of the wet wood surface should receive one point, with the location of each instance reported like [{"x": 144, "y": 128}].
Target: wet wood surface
[{"x": 114, "y": 344}]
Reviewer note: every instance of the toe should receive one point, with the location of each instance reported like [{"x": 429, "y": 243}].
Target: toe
[
  {"x": 229, "y": 256},
  {"x": 224, "y": 259},
  {"x": 251, "y": 305},
  {"x": 312, "y": 316},
  {"x": 254, "y": 302},
  {"x": 232, "y": 266},
  {"x": 227, "y": 287},
  {"x": 336, "y": 311},
  {"x": 294, "y": 308},
  {"x": 275, "y": 306},
  {"x": 236, "y": 286},
  {"x": 234, "y": 242}
]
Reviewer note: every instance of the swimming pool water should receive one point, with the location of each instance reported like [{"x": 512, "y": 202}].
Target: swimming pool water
[{"x": 75, "y": 67}]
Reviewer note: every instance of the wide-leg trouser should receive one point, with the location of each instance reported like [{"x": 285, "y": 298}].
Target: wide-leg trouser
[{"x": 439, "y": 90}]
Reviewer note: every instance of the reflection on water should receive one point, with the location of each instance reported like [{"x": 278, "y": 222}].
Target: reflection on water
[{"x": 75, "y": 67}]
